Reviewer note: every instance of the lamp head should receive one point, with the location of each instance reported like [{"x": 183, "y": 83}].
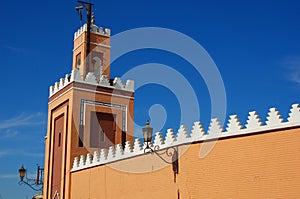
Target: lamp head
[
  {"x": 22, "y": 172},
  {"x": 147, "y": 132}
]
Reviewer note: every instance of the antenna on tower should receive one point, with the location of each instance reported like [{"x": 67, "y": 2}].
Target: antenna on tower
[
  {"x": 79, "y": 11},
  {"x": 88, "y": 8}
]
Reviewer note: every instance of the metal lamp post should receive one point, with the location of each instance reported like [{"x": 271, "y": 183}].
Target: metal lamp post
[
  {"x": 170, "y": 152},
  {"x": 35, "y": 184}
]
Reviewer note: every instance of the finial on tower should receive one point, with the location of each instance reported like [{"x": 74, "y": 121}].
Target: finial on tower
[{"x": 93, "y": 18}]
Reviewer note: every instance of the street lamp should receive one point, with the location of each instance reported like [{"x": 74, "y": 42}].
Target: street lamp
[
  {"x": 170, "y": 151},
  {"x": 147, "y": 132},
  {"x": 22, "y": 172},
  {"x": 35, "y": 184}
]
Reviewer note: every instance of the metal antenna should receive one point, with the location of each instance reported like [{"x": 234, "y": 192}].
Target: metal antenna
[
  {"x": 79, "y": 11},
  {"x": 88, "y": 7}
]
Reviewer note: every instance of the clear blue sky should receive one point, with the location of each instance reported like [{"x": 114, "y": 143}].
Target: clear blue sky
[{"x": 255, "y": 45}]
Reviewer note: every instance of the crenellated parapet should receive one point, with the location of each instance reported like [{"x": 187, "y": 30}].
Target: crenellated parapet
[
  {"x": 94, "y": 29},
  {"x": 91, "y": 80},
  {"x": 254, "y": 125}
]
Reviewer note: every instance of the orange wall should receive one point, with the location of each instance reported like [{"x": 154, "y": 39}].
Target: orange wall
[{"x": 265, "y": 165}]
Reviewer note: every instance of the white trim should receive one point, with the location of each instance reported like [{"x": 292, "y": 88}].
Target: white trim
[{"x": 101, "y": 92}]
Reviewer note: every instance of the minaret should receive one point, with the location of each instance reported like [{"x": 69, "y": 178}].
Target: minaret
[
  {"x": 91, "y": 51},
  {"x": 87, "y": 111},
  {"x": 97, "y": 59}
]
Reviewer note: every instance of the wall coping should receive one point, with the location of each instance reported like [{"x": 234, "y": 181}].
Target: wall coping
[
  {"x": 274, "y": 122},
  {"x": 90, "y": 79}
]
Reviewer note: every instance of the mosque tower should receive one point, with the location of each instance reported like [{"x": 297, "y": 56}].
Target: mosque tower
[{"x": 87, "y": 111}]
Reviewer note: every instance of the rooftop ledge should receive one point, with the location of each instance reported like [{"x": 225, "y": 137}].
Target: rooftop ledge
[
  {"x": 254, "y": 125},
  {"x": 90, "y": 80}
]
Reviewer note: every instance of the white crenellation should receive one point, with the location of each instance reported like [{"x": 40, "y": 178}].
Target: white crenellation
[
  {"x": 137, "y": 149},
  {"x": 75, "y": 76},
  {"x": 107, "y": 31},
  {"x": 170, "y": 137},
  {"x": 128, "y": 148},
  {"x": 118, "y": 83},
  {"x": 274, "y": 118},
  {"x": 76, "y": 162},
  {"x": 81, "y": 30},
  {"x": 91, "y": 80},
  {"x": 89, "y": 159},
  {"x": 51, "y": 90},
  {"x": 158, "y": 139},
  {"x": 182, "y": 135},
  {"x": 294, "y": 115},
  {"x": 111, "y": 153},
  {"x": 234, "y": 127},
  {"x": 129, "y": 85},
  {"x": 81, "y": 161},
  {"x": 56, "y": 87},
  {"x": 197, "y": 131},
  {"x": 103, "y": 155},
  {"x": 215, "y": 127},
  {"x": 119, "y": 151},
  {"x": 234, "y": 124},
  {"x": 61, "y": 82},
  {"x": 254, "y": 121},
  {"x": 104, "y": 81},
  {"x": 94, "y": 29},
  {"x": 99, "y": 30},
  {"x": 96, "y": 157}
]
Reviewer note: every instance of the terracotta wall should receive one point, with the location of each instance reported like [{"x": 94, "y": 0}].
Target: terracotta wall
[{"x": 265, "y": 165}]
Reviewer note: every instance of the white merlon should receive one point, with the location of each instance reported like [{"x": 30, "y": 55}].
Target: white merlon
[
  {"x": 274, "y": 122},
  {"x": 111, "y": 153},
  {"x": 294, "y": 114},
  {"x": 274, "y": 118},
  {"x": 81, "y": 161},
  {"x": 170, "y": 137},
  {"x": 128, "y": 148},
  {"x": 119, "y": 151},
  {"x": 158, "y": 140},
  {"x": 234, "y": 124},
  {"x": 94, "y": 29},
  {"x": 137, "y": 148},
  {"x": 215, "y": 127},
  {"x": 104, "y": 81},
  {"x": 118, "y": 83},
  {"x": 90, "y": 79},
  {"x": 75, "y": 76},
  {"x": 129, "y": 85},
  {"x": 182, "y": 135},
  {"x": 253, "y": 122},
  {"x": 89, "y": 159},
  {"x": 96, "y": 157},
  {"x": 76, "y": 162},
  {"x": 103, "y": 155},
  {"x": 197, "y": 131}
]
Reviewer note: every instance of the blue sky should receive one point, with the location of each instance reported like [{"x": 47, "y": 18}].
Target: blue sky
[{"x": 255, "y": 45}]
